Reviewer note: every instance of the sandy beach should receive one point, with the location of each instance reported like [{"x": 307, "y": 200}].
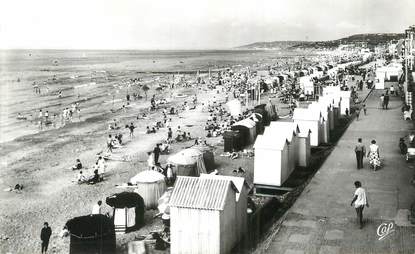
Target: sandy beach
[{"x": 41, "y": 160}]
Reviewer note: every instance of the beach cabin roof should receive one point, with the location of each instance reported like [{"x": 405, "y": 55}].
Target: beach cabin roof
[
  {"x": 275, "y": 133},
  {"x": 239, "y": 182},
  {"x": 200, "y": 193},
  {"x": 246, "y": 122},
  {"x": 289, "y": 128},
  {"x": 319, "y": 110},
  {"x": 270, "y": 141},
  {"x": 306, "y": 114},
  {"x": 322, "y": 106}
]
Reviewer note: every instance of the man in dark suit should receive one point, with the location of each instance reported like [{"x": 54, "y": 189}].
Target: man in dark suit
[
  {"x": 45, "y": 236},
  {"x": 360, "y": 151}
]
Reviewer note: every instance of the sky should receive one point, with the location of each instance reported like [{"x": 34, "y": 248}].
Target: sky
[{"x": 191, "y": 24}]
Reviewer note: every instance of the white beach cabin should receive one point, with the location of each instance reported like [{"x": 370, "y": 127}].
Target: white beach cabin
[
  {"x": 329, "y": 103},
  {"x": 304, "y": 147},
  {"x": 325, "y": 122},
  {"x": 345, "y": 101},
  {"x": 291, "y": 130},
  {"x": 271, "y": 161},
  {"x": 241, "y": 202},
  {"x": 202, "y": 216},
  {"x": 307, "y": 118}
]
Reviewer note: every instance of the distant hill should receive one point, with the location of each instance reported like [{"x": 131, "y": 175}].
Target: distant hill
[
  {"x": 370, "y": 39},
  {"x": 271, "y": 45}
]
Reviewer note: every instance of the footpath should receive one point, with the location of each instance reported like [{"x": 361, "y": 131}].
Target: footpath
[{"x": 322, "y": 220}]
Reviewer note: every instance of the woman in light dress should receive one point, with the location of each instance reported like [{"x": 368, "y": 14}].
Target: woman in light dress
[{"x": 374, "y": 158}]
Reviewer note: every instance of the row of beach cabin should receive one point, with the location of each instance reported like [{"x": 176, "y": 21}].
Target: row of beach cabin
[{"x": 285, "y": 145}]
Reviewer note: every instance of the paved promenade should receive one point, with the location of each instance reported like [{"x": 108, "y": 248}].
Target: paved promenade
[{"x": 322, "y": 220}]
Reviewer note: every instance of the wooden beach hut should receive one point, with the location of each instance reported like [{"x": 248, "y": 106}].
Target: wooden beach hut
[
  {"x": 304, "y": 147},
  {"x": 271, "y": 161},
  {"x": 291, "y": 130},
  {"x": 241, "y": 202},
  {"x": 202, "y": 215},
  {"x": 345, "y": 101},
  {"x": 330, "y": 108},
  {"x": 307, "y": 118},
  {"x": 325, "y": 122}
]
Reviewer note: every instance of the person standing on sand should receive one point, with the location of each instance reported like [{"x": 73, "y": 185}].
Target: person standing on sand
[
  {"x": 364, "y": 109},
  {"x": 109, "y": 143},
  {"x": 359, "y": 201},
  {"x": 169, "y": 135},
  {"x": 96, "y": 209},
  {"x": 156, "y": 152},
  {"x": 131, "y": 127},
  {"x": 40, "y": 118},
  {"x": 45, "y": 234}
]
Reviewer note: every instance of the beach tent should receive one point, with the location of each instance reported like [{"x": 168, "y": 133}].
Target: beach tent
[
  {"x": 241, "y": 202},
  {"x": 150, "y": 185},
  {"x": 247, "y": 129},
  {"x": 188, "y": 162},
  {"x": 208, "y": 156},
  {"x": 232, "y": 141},
  {"x": 271, "y": 161},
  {"x": 235, "y": 107},
  {"x": 93, "y": 233},
  {"x": 128, "y": 211},
  {"x": 306, "y": 118},
  {"x": 291, "y": 130},
  {"x": 258, "y": 119},
  {"x": 203, "y": 216},
  {"x": 271, "y": 112},
  {"x": 325, "y": 121},
  {"x": 265, "y": 115}
]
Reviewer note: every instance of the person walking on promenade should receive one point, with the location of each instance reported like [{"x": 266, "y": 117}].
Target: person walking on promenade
[
  {"x": 360, "y": 151},
  {"x": 374, "y": 157},
  {"x": 364, "y": 109},
  {"x": 382, "y": 101},
  {"x": 45, "y": 234},
  {"x": 359, "y": 201},
  {"x": 386, "y": 100},
  {"x": 357, "y": 114}
]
